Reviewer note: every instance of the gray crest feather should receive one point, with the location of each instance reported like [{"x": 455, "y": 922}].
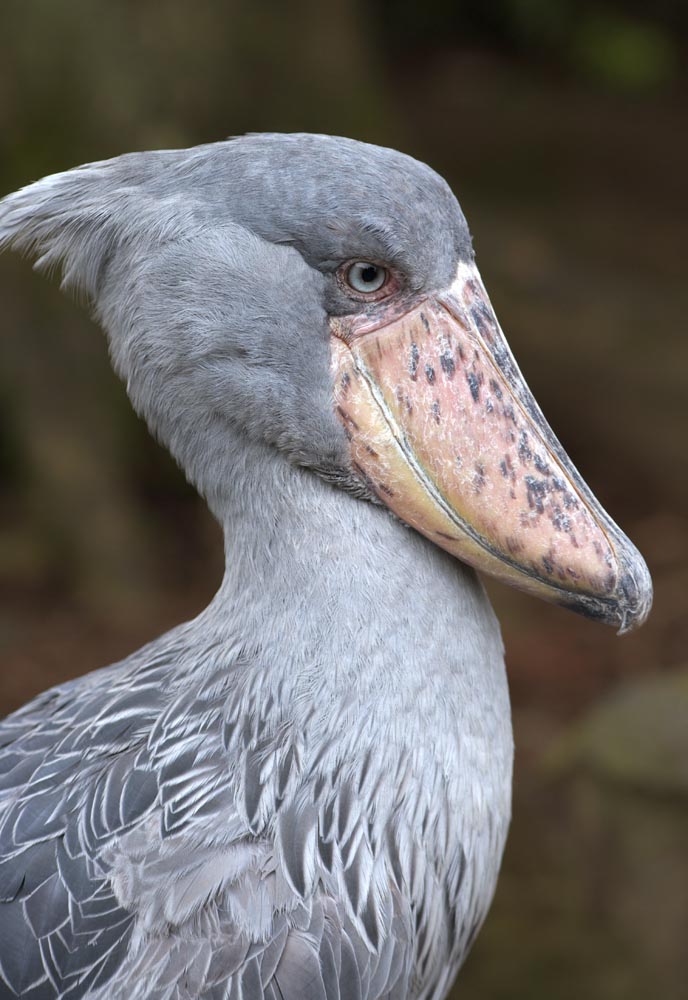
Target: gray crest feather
[{"x": 68, "y": 220}]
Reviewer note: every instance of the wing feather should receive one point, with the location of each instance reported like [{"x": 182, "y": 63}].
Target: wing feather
[{"x": 243, "y": 874}]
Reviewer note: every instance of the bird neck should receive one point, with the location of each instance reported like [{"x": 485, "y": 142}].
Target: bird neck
[
  {"x": 336, "y": 620},
  {"x": 316, "y": 579}
]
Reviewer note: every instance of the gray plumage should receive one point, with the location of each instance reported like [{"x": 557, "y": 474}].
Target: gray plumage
[{"x": 302, "y": 794}]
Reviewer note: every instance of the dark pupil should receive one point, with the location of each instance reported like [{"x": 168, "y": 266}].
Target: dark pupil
[{"x": 369, "y": 274}]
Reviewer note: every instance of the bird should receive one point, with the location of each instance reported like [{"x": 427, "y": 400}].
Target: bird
[{"x": 304, "y": 792}]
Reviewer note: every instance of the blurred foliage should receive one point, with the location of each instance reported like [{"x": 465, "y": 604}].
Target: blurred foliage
[
  {"x": 622, "y": 46},
  {"x": 561, "y": 125},
  {"x": 625, "y": 54}
]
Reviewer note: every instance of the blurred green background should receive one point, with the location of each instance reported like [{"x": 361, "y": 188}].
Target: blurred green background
[{"x": 562, "y": 127}]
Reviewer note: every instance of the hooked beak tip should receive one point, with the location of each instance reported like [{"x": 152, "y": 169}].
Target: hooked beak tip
[{"x": 635, "y": 593}]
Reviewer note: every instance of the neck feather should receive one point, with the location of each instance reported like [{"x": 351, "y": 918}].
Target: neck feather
[{"x": 318, "y": 581}]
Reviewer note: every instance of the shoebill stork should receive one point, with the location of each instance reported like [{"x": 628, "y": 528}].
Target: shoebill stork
[{"x": 303, "y": 793}]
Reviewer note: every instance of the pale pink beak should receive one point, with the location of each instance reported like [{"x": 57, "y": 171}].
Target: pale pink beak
[{"x": 445, "y": 431}]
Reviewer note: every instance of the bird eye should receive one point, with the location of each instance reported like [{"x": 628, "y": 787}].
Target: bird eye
[{"x": 366, "y": 277}]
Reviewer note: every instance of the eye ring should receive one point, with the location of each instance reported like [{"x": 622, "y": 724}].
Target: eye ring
[{"x": 366, "y": 277}]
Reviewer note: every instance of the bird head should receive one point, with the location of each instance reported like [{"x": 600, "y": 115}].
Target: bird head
[{"x": 320, "y": 296}]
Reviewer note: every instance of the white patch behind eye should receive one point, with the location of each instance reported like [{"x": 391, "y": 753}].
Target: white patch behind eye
[{"x": 465, "y": 271}]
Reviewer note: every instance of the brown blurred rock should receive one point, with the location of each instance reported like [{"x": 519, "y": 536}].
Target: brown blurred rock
[{"x": 637, "y": 739}]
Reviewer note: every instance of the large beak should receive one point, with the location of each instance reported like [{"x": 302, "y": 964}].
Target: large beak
[{"x": 444, "y": 430}]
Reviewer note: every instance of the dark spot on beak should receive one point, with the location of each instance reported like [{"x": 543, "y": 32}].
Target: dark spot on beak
[
  {"x": 447, "y": 362},
  {"x": 473, "y": 385},
  {"x": 507, "y": 469},
  {"x": 560, "y": 521},
  {"x": 494, "y": 385},
  {"x": 484, "y": 323},
  {"x": 536, "y": 490},
  {"x": 524, "y": 452},
  {"x": 570, "y": 501},
  {"x": 541, "y": 465},
  {"x": 413, "y": 361}
]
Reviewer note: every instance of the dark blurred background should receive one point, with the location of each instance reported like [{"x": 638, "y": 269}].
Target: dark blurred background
[{"x": 562, "y": 127}]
